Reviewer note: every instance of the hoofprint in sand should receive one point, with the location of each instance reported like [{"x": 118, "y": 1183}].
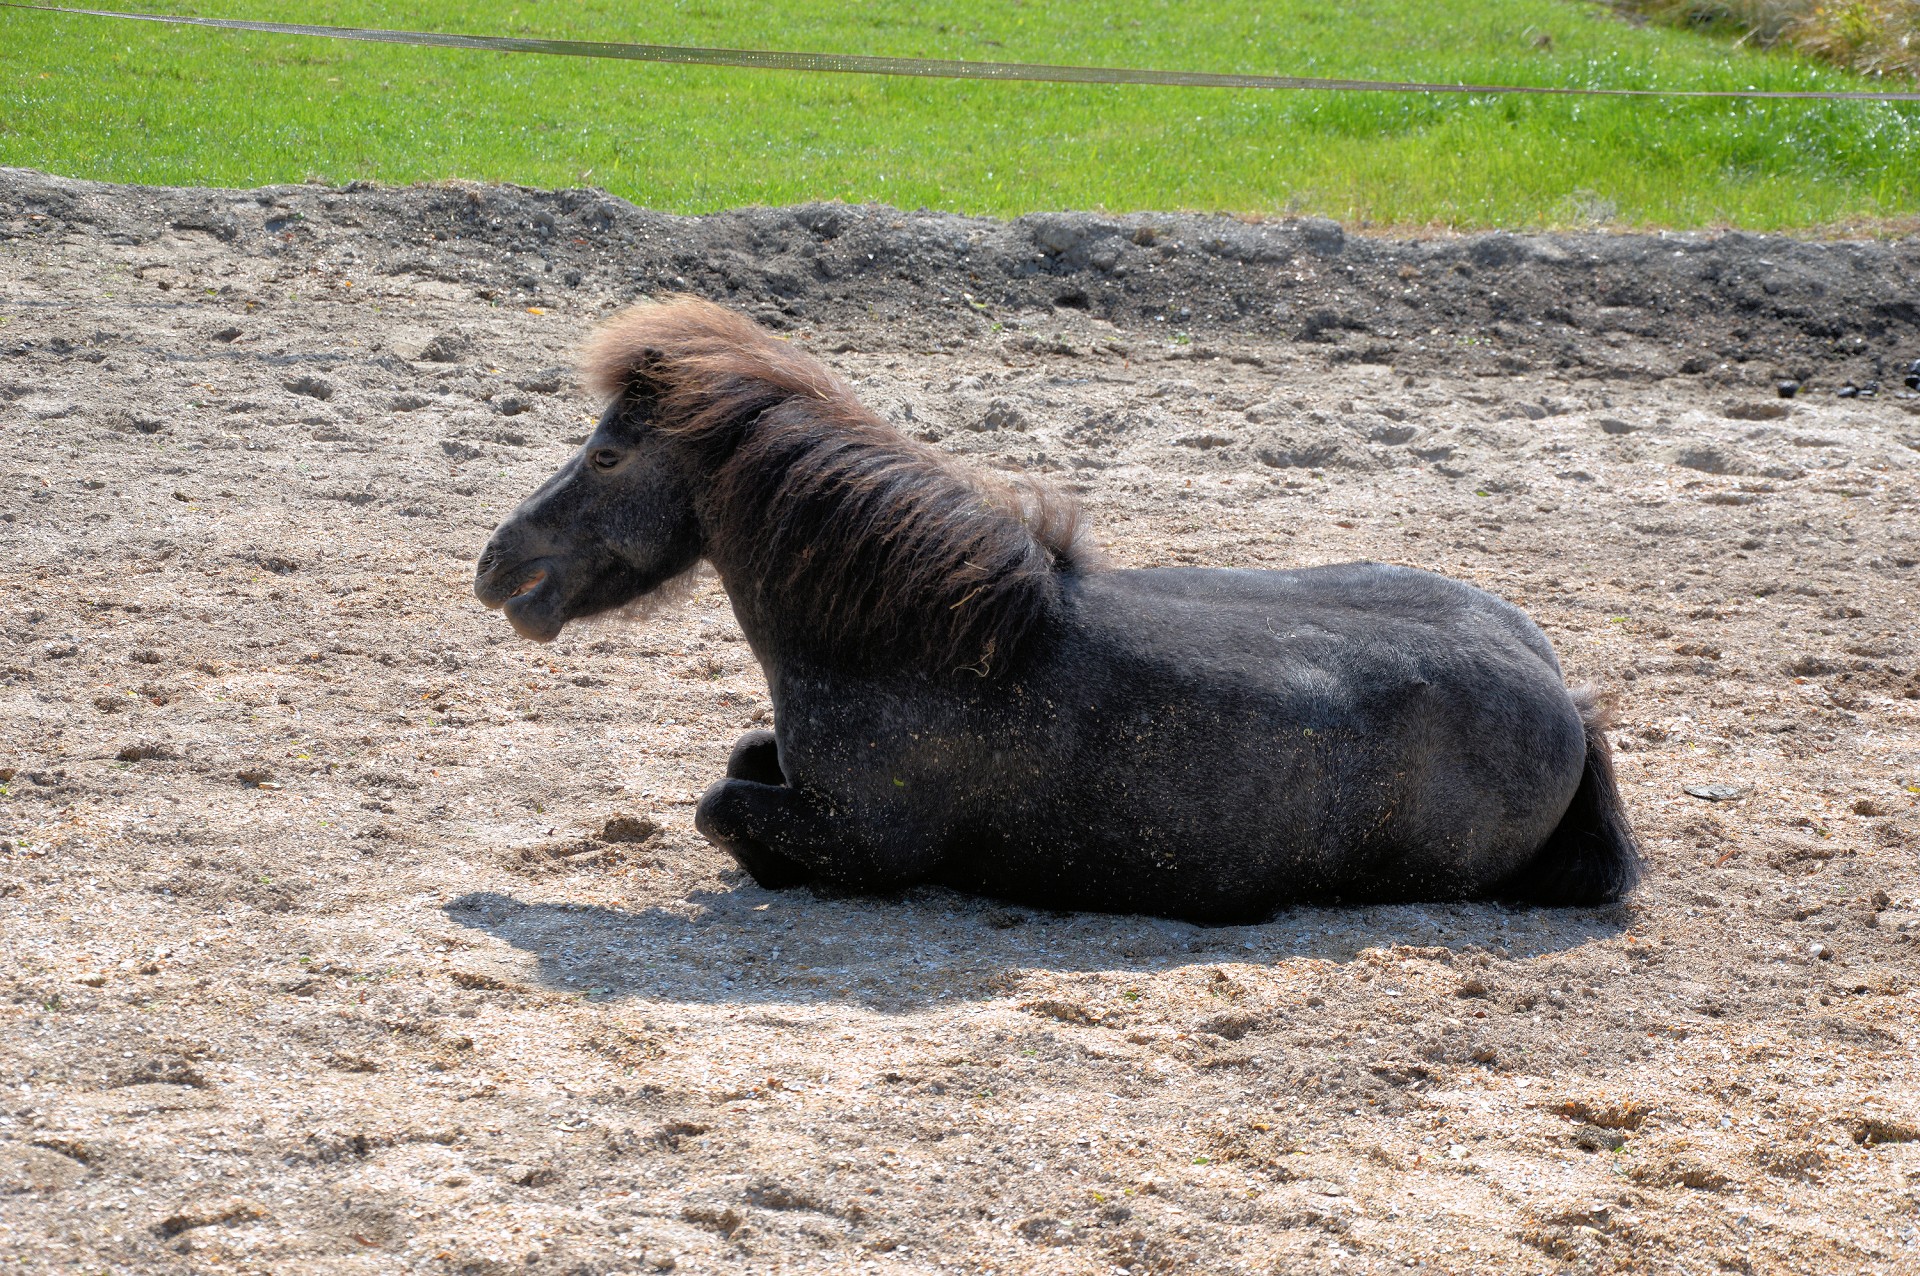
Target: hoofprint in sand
[{"x": 343, "y": 931}]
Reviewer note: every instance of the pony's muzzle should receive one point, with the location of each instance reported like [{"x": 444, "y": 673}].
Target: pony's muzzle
[
  {"x": 496, "y": 586},
  {"x": 537, "y": 607},
  {"x": 528, "y": 592}
]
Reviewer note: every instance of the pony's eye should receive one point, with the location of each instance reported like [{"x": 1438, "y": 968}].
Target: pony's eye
[{"x": 604, "y": 458}]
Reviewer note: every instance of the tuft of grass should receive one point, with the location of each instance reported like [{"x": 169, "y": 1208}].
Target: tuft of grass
[
  {"x": 120, "y": 101},
  {"x": 1873, "y": 37}
]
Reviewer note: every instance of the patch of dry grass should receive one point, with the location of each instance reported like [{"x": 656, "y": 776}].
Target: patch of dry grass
[{"x": 1877, "y": 37}]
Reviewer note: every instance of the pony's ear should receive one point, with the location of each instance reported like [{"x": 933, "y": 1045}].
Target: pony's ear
[
  {"x": 642, "y": 375},
  {"x": 620, "y": 360},
  {"x": 633, "y": 373}
]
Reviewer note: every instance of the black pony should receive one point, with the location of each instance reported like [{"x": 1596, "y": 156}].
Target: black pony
[{"x": 962, "y": 694}]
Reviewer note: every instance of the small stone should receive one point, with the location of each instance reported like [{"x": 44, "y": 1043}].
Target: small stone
[
  {"x": 1058, "y": 235},
  {"x": 445, "y": 348},
  {"x": 1716, "y": 791},
  {"x": 628, "y": 828},
  {"x": 1599, "y": 1140},
  {"x": 311, "y": 387},
  {"x": 1756, "y": 411},
  {"x": 1847, "y": 391},
  {"x": 532, "y": 1175},
  {"x": 1787, "y": 389},
  {"x": 1613, "y": 425},
  {"x": 1912, "y": 379},
  {"x": 92, "y": 979},
  {"x": 1323, "y": 235},
  {"x": 1003, "y": 414},
  {"x": 254, "y": 777},
  {"x": 1710, "y": 459}
]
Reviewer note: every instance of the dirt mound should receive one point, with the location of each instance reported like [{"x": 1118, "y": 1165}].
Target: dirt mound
[
  {"x": 1607, "y": 305},
  {"x": 344, "y": 931}
]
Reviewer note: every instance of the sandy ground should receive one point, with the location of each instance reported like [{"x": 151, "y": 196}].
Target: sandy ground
[{"x": 326, "y": 947}]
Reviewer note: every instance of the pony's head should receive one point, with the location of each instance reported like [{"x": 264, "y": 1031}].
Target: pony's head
[
  {"x": 619, "y": 519},
  {"x": 616, "y": 522}
]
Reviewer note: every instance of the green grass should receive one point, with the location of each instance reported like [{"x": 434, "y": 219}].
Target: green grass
[{"x": 119, "y": 101}]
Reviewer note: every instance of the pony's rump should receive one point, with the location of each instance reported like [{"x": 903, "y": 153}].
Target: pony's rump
[{"x": 1592, "y": 857}]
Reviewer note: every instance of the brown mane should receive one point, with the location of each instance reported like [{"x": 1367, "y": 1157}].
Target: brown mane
[{"x": 877, "y": 548}]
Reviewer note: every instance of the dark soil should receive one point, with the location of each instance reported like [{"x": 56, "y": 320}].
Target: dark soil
[{"x": 1726, "y": 306}]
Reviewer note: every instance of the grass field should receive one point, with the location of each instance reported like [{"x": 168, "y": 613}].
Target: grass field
[{"x": 120, "y": 101}]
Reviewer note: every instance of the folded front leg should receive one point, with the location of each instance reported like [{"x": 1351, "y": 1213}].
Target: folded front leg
[
  {"x": 755, "y": 760},
  {"x": 754, "y": 821},
  {"x": 756, "y": 756}
]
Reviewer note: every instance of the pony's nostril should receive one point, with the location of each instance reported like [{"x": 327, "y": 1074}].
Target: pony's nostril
[{"x": 489, "y": 560}]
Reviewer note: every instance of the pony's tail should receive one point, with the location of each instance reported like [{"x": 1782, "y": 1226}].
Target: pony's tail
[{"x": 1592, "y": 857}]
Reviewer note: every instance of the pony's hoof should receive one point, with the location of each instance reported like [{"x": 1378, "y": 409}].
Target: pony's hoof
[{"x": 770, "y": 870}]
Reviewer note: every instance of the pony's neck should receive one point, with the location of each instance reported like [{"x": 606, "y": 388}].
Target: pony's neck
[{"x": 841, "y": 543}]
